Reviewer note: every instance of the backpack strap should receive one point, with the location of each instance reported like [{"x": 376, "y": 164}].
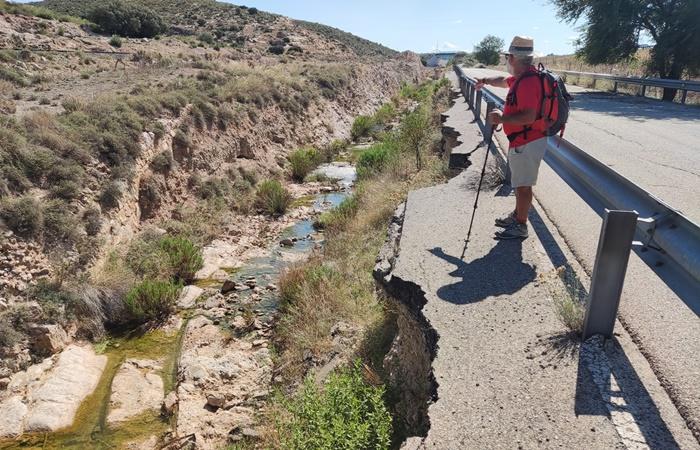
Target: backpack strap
[{"x": 514, "y": 101}]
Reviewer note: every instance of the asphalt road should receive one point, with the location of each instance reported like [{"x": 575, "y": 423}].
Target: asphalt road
[
  {"x": 652, "y": 143},
  {"x": 508, "y": 374},
  {"x": 655, "y": 145}
]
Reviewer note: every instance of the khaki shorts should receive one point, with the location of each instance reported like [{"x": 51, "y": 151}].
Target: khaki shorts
[{"x": 524, "y": 162}]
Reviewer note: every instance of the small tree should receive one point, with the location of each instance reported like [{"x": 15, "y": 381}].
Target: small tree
[
  {"x": 611, "y": 33},
  {"x": 487, "y": 51}
]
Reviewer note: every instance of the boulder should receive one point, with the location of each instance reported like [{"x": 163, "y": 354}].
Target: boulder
[
  {"x": 189, "y": 296},
  {"x": 137, "y": 387},
  {"x": 48, "y": 339},
  {"x": 56, "y": 400},
  {"x": 228, "y": 286},
  {"x": 13, "y": 411},
  {"x": 287, "y": 242}
]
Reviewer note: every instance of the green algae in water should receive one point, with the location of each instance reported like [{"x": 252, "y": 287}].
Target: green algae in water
[
  {"x": 306, "y": 200},
  {"x": 208, "y": 283},
  {"x": 90, "y": 429}
]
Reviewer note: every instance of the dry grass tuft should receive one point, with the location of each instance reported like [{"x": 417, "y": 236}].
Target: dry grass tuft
[{"x": 570, "y": 299}]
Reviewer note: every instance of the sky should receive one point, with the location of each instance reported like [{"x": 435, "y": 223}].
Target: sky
[{"x": 421, "y": 25}]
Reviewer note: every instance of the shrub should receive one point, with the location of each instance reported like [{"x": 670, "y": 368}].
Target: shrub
[
  {"x": 72, "y": 104},
  {"x": 415, "y": 133},
  {"x": 181, "y": 142},
  {"x": 60, "y": 225},
  {"x": 373, "y": 160},
  {"x": 11, "y": 75},
  {"x": 206, "y": 37},
  {"x": 158, "y": 131},
  {"x": 111, "y": 194},
  {"x": 385, "y": 114},
  {"x": 115, "y": 41},
  {"x": 225, "y": 116},
  {"x": 163, "y": 162},
  {"x": 93, "y": 221},
  {"x": 570, "y": 299},
  {"x": 152, "y": 299},
  {"x": 276, "y": 49},
  {"x": 361, "y": 127},
  {"x": 213, "y": 188},
  {"x": 337, "y": 217},
  {"x": 184, "y": 257},
  {"x": 272, "y": 197},
  {"x": 303, "y": 161},
  {"x": 127, "y": 19},
  {"x": 346, "y": 413},
  {"x": 9, "y": 336},
  {"x": 24, "y": 216}
]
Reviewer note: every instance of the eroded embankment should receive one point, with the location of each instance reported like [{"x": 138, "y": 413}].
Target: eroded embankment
[{"x": 408, "y": 363}]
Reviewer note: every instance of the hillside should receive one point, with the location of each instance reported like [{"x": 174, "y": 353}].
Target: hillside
[
  {"x": 138, "y": 175},
  {"x": 231, "y": 25}
]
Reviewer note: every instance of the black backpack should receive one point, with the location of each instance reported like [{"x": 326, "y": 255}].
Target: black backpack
[{"x": 554, "y": 110}]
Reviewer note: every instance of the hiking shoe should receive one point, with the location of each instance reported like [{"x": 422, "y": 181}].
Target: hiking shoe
[
  {"x": 515, "y": 231},
  {"x": 507, "y": 222}
]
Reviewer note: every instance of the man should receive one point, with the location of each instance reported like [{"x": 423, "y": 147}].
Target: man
[{"x": 525, "y": 131}]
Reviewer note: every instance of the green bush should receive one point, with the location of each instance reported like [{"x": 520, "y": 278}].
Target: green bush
[
  {"x": 272, "y": 197},
  {"x": 303, "y": 161},
  {"x": 24, "y": 216},
  {"x": 373, "y": 160},
  {"x": 415, "y": 133},
  {"x": 385, "y": 114},
  {"x": 152, "y": 299},
  {"x": 60, "y": 225},
  {"x": 346, "y": 413},
  {"x": 184, "y": 257},
  {"x": 166, "y": 257},
  {"x": 338, "y": 216},
  {"x": 111, "y": 194},
  {"x": 361, "y": 127},
  {"x": 206, "y": 37},
  {"x": 127, "y": 19},
  {"x": 115, "y": 41},
  {"x": 163, "y": 162}
]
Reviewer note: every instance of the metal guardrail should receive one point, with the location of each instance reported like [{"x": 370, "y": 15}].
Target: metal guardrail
[
  {"x": 667, "y": 241},
  {"x": 682, "y": 85}
]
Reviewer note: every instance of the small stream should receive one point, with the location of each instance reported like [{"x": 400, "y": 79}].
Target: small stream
[{"x": 90, "y": 429}]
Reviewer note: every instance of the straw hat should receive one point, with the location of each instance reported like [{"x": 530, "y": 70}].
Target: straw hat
[{"x": 521, "y": 46}]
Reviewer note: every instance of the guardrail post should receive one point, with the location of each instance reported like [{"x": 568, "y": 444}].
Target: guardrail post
[
  {"x": 684, "y": 95},
  {"x": 614, "y": 87},
  {"x": 644, "y": 90},
  {"x": 477, "y": 105},
  {"x": 488, "y": 130},
  {"x": 609, "y": 272}
]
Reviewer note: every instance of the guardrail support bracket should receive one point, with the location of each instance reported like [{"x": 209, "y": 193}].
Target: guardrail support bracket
[{"x": 614, "y": 248}]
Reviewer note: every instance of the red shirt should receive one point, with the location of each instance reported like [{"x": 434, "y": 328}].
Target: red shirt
[{"x": 529, "y": 96}]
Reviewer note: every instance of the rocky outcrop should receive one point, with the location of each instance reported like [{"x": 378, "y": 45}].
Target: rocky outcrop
[
  {"x": 21, "y": 263},
  {"x": 46, "y": 396},
  {"x": 48, "y": 339},
  {"x": 222, "y": 383},
  {"x": 137, "y": 387}
]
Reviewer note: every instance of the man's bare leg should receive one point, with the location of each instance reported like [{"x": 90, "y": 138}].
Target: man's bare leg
[{"x": 523, "y": 201}]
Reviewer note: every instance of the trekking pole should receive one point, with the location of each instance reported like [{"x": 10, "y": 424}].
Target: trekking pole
[{"x": 478, "y": 191}]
